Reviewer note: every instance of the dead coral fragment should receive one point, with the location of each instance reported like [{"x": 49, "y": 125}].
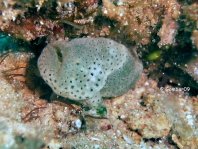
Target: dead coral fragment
[
  {"x": 167, "y": 32},
  {"x": 194, "y": 38},
  {"x": 31, "y": 28},
  {"x": 191, "y": 11}
]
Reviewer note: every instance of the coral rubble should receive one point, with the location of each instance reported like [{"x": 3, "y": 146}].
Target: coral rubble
[
  {"x": 143, "y": 117},
  {"x": 138, "y": 18}
]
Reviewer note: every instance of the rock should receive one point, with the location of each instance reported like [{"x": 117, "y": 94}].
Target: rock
[
  {"x": 149, "y": 125},
  {"x": 136, "y": 18},
  {"x": 190, "y": 71}
]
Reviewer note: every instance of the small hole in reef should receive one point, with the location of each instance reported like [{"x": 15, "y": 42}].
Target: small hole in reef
[
  {"x": 92, "y": 74},
  {"x": 91, "y": 90},
  {"x": 72, "y": 86}
]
